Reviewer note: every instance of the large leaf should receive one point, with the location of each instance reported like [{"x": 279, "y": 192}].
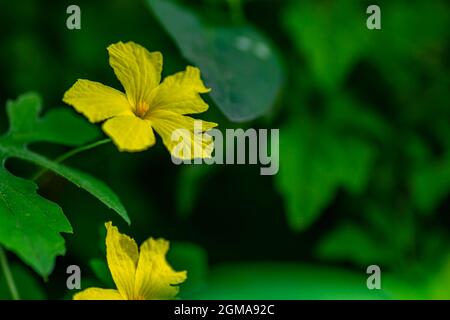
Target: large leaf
[
  {"x": 316, "y": 162},
  {"x": 295, "y": 281},
  {"x": 285, "y": 281},
  {"x": 238, "y": 63},
  {"x": 30, "y": 225}
]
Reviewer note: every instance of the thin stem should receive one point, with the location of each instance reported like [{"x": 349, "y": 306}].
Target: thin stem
[
  {"x": 70, "y": 154},
  {"x": 8, "y": 276}
]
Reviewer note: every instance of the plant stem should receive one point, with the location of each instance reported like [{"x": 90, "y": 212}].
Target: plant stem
[
  {"x": 70, "y": 154},
  {"x": 8, "y": 276}
]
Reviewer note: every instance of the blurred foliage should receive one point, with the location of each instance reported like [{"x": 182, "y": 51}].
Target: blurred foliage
[{"x": 364, "y": 119}]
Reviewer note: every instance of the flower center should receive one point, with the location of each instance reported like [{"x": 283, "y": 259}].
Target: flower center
[{"x": 141, "y": 109}]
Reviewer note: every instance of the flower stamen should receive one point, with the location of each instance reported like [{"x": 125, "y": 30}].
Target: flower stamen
[{"x": 141, "y": 109}]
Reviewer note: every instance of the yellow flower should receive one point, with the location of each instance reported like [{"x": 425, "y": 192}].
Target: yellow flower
[
  {"x": 147, "y": 104},
  {"x": 138, "y": 274}
]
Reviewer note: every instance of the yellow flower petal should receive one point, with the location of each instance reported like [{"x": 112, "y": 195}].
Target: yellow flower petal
[
  {"x": 155, "y": 279},
  {"x": 98, "y": 294},
  {"x": 190, "y": 144},
  {"x": 180, "y": 93},
  {"x": 130, "y": 133},
  {"x": 138, "y": 70},
  {"x": 97, "y": 101},
  {"x": 122, "y": 256}
]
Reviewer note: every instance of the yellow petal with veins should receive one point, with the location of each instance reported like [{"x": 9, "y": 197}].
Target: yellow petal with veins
[
  {"x": 97, "y": 101},
  {"x": 155, "y": 278},
  {"x": 122, "y": 256},
  {"x": 183, "y": 136},
  {"x": 180, "y": 93},
  {"x": 130, "y": 133},
  {"x": 137, "y": 69},
  {"x": 98, "y": 294}
]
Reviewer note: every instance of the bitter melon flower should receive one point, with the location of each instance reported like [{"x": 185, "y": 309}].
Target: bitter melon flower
[
  {"x": 139, "y": 274},
  {"x": 147, "y": 104}
]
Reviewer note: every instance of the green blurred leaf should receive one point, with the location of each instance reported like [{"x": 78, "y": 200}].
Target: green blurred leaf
[
  {"x": 400, "y": 288},
  {"x": 331, "y": 35},
  {"x": 430, "y": 184},
  {"x": 316, "y": 162},
  {"x": 411, "y": 43},
  {"x": 31, "y": 225},
  {"x": 383, "y": 236},
  {"x": 238, "y": 63},
  {"x": 285, "y": 281},
  {"x": 57, "y": 126},
  {"x": 60, "y": 126},
  {"x": 350, "y": 243},
  {"x": 439, "y": 283},
  {"x": 190, "y": 257},
  {"x": 27, "y": 286},
  {"x": 346, "y": 114}
]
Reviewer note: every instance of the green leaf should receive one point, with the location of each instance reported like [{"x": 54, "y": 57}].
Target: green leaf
[
  {"x": 60, "y": 126},
  {"x": 316, "y": 162},
  {"x": 439, "y": 282},
  {"x": 28, "y": 287},
  {"x": 95, "y": 187},
  {"x": 331, "y": 35},
  {"x": 238, "y": 63},
  {"x": 351, "y": 243},
  {"x": 285, "y": 281},
  {"x": 30, "y": 225}
]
